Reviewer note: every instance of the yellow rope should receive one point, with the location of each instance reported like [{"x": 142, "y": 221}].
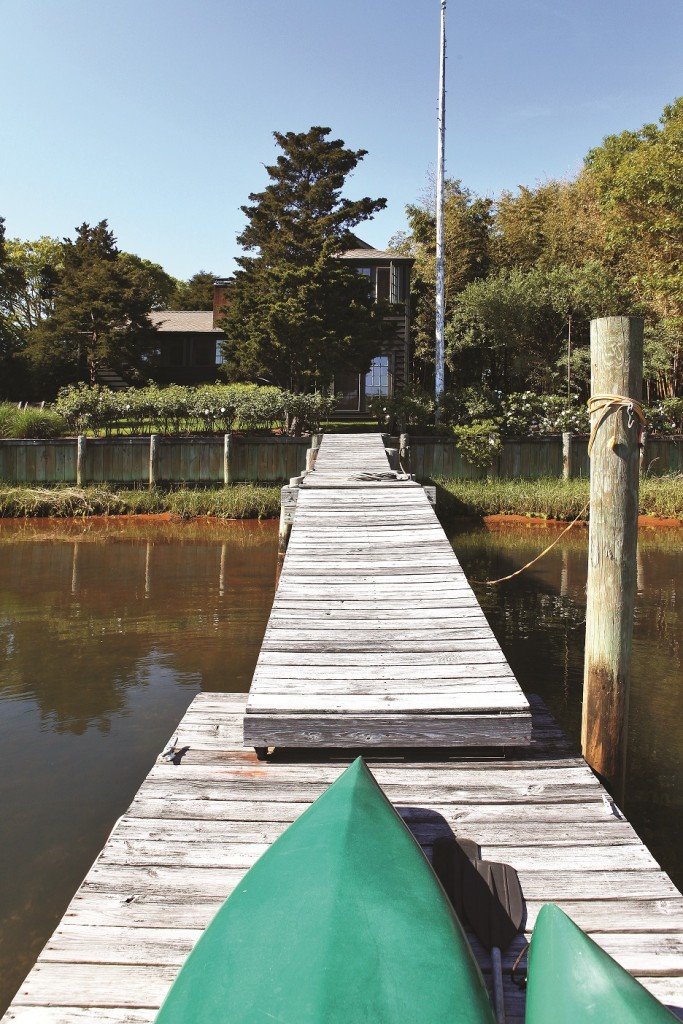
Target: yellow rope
[
  {"x": 603, "y": 405},
  {"x": 492, "y": 583}
]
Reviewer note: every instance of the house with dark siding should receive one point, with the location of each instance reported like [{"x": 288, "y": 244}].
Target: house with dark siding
[{"x": 189, "y": 341}]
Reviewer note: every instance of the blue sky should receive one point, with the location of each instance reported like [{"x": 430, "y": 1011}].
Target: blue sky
[{"x": 158, "y": 115}]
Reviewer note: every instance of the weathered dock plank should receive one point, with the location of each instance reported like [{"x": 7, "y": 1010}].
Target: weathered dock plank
[
  {"x": 195, "y": 827},
  {"x": 375, "y": 636}
]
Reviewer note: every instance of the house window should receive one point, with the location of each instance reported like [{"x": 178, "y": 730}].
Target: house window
[
  {"x": 377, "y": 377},
  {"x": 396, "y": 283},
  {"x": 219, "y": 353},
  {"x": 383, "y": 284}
]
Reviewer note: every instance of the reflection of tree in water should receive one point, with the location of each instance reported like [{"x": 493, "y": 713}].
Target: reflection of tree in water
[{"x": 82, "y": 624}]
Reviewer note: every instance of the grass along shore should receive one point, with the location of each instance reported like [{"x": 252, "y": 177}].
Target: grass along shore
[
  {"x": 241, "y": 501},
  {"x": 660, "y": 497}
]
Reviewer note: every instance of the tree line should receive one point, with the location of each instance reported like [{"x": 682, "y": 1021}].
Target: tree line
[
  {"x": 524, "y": 275},
  {"x": 526, "y": 272},
  {"x": 69, "y": 306}
]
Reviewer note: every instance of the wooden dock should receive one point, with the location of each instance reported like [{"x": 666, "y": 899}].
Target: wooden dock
[
  {"x": 376, "y": 642},
  {"x": 375, "y": 636},
  {"x": 195, "y": 827}
]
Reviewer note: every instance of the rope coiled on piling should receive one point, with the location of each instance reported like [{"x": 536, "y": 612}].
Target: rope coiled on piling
[{"x": 603, "y": 405}]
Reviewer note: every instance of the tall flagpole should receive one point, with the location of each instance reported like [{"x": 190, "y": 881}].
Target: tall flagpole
[{"x": 440, "y": 276}]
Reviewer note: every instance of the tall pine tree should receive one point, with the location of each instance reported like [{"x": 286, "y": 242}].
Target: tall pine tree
[{"x": 297, "y": 314}]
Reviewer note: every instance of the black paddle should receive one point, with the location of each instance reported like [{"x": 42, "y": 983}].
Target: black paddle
[
  {"x": 494, "y": 906},
  {"x": 486, "y": 894}
]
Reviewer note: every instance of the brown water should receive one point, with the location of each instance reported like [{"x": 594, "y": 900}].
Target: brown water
[
  {"x": 539, "y": 620},
  {"x": 106, "y": 635},
  {"x": 107, "y": 631}
]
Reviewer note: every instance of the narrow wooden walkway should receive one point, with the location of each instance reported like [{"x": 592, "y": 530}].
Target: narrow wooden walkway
[
  {"x": 375, "y": 636},
  {"x": 195, "y": 827}
]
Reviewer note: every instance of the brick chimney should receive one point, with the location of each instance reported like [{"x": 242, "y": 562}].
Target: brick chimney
[{"x": 220, "y": 298}]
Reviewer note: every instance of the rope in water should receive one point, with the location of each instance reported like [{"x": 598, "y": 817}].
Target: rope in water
[
  {"x": 503, "y": 579},
  {"x": 603, "y": 405}
]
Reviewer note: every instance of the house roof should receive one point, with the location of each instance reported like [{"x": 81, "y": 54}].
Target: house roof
[
  {"x": 367, "y": 253},
  {"x": 186, "y": 321}
]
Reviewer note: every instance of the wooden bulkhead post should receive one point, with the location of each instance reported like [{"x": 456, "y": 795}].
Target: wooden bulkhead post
[
  {"x": 81, "y": 443},
  {"x": 616, "y": 371},
  {"x": 153, "y": 460},
  {"x": 227, "y": 459}
]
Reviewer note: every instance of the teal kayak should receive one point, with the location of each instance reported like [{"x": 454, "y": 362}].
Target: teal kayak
[
  {"x": 571, "y": 980},
  {"x": 341, "y": 921}
]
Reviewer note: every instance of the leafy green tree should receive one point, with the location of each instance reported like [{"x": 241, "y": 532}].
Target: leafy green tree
[
  {"x": 35, "y": 270},
  {"x": 557, "y": 222},
  {"x": 298, "y": 314},
  {"x": 101, "y": 305},
  {"x": 196, "y": 293},
  {"x": 12, "y": 371},
  {"x": 510, "y": 330},
  {"x": 638, "y": 178},
  {"x": 467, "y": 227}
]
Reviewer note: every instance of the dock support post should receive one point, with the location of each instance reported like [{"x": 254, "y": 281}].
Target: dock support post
[
  {"x": 643, "y": 453},
  {"x": 404, "y": 452},
  {"x": 80, "y": 460},
  {"x": 567, "y": 455},
  {"x": 153, "y": 460},
  {"x": 312, "y": 453},
  {"x": 227, "y": 459},
  {"x": 288, "y": 497},
  {"x": 616, "y": 369}
]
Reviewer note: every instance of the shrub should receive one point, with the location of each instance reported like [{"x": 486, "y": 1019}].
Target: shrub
[
  {"x": 480, "y": 442},
  {"x": 32, "y": 423},
  {"x": 88, "y": 408},
  {"x": 469, "y": 404},
  {"x": 527, "y": 413},
  {"x": 306, "y": 413},
  {"x": 666, "y": 416},
  {"x": 208, "y": 408},
  {"x": 408, "y": 409},
  {"x": 259, "y": 408}
]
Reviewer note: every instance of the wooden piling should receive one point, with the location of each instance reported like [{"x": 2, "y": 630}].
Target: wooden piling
[
  {"x": 227, "y": 460},
  {"x": 312, "y": 453},
  {"x": 80, "y": 461},
  {"x": 153, "y": 460},
  {"x": 616, "y": 369},
  {"x": 288, "y": 497},
  {"x": 404, "y": 452},
  {"x": 567, "y": 455}
]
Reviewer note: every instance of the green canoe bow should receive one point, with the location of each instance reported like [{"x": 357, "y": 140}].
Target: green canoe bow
[
  {"x": 571, "y": 980},
  {"x": 341, "y": 920}
]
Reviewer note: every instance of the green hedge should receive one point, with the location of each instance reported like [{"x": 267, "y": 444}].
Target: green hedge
[
  {"x": 208, "y": 408},
  {"x": 520, "y": 414}
]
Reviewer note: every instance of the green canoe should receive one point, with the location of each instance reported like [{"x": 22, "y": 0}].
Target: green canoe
[
  {"x": 571, "y": 980},
  {"x": 341, "y": 920}
]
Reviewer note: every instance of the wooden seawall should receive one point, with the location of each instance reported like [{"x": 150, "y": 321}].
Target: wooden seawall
[{"x": 375, "y": 637}]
